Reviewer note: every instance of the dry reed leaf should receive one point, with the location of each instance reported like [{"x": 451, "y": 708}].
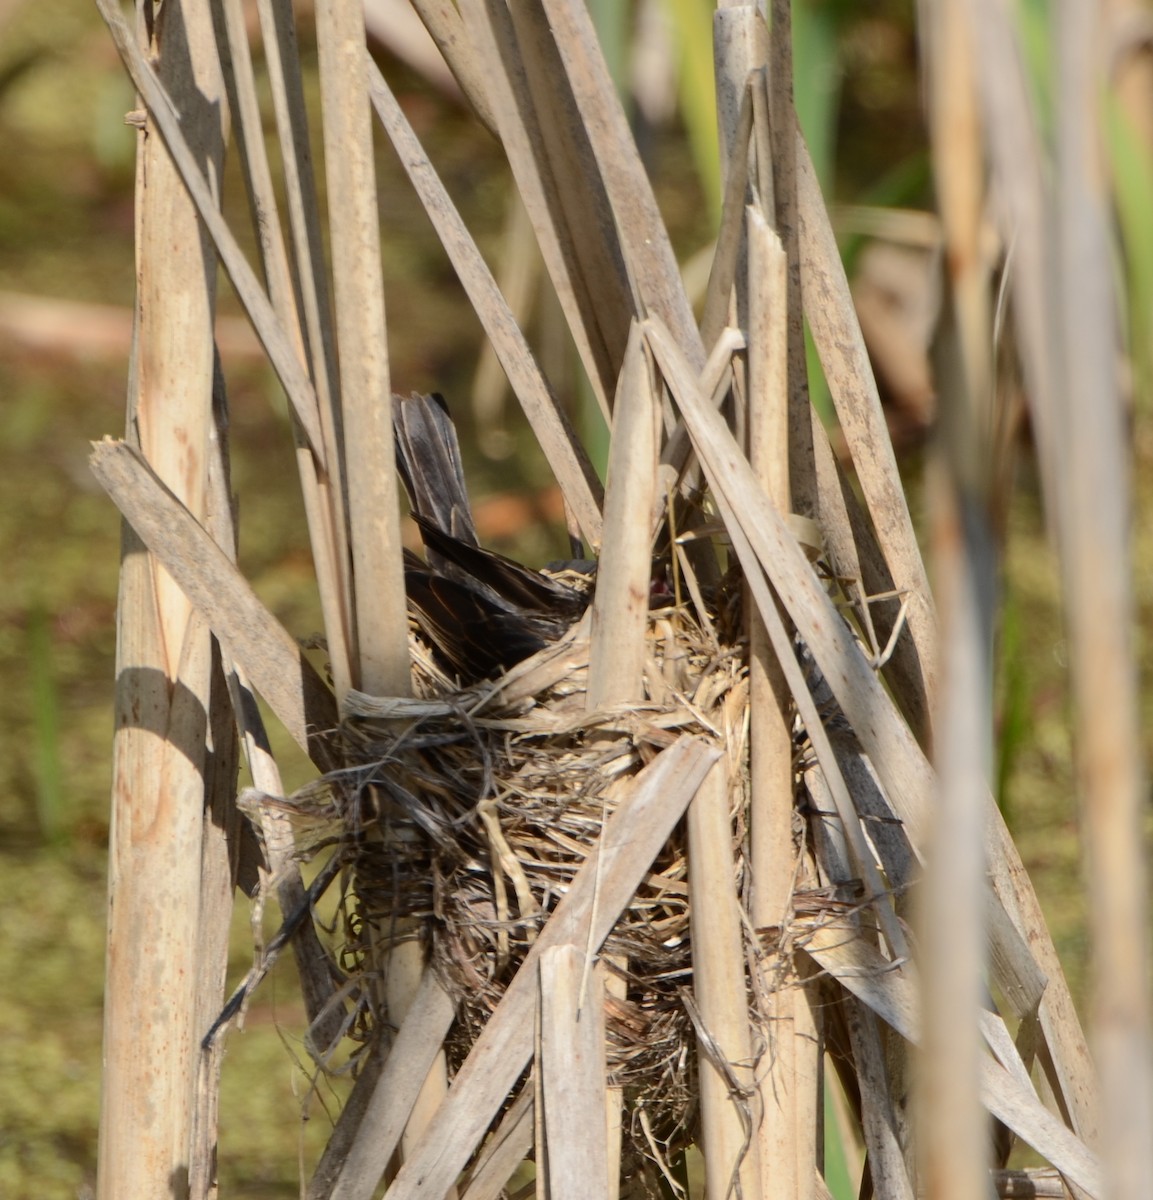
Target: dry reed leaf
[
  {"x": 898, "y": 760},
  {"x": 774, "y": 121},
  {"x": 644, "y": 240},
  {"x": 581, "y": 201},
  {"x": 1073, "y": 1074},
  {"x": 323, "y": 492},
  {"x": 656, "y": 799},
  {"x": 860, "y": 568},
  {"x": 276, "y": 342},
  {"x": 888, "y": 991},
  {"x": 382, "y": 1120},
  {"x": 729, "y": 240},
  {"x": 587, "y": 275},
  {"x": 829, "y": 309},
  {"x": 398, "y": 28},
  {"x": 1020, "y": 980},
  {"x": 446, "y": 27},
  {"x": 898, "y": 858},
  {"x": 504, "y": 1151},
  {"x": 571, "y": 1072},
  {"x": 282, "y": 62},
  {"x": 550, "y": 424},
  {"x": 881, "y": 1122},
  {"x": 252, "y": 636},
  {"x": 248, "y": 124},
  {"x": 1017, "y": 1107}
]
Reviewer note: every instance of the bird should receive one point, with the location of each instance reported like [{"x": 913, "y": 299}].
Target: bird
[{"x": 480, "y": 612}]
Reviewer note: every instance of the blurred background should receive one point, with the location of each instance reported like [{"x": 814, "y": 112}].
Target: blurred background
[{"x": 66, "y": 288}]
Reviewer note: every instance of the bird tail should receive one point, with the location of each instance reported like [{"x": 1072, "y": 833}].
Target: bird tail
[{"x": 428, "y": 456}]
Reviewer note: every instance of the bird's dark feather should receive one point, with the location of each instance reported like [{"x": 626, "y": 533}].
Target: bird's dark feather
[{"x": 480, "y": 611}]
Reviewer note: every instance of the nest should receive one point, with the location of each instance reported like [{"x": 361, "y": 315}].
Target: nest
[{"x": 464, "y": 815}]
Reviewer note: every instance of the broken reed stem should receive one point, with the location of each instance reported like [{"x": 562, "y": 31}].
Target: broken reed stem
[
  {"x": 729, "y": 1112},
  {"x": 750, "y": 255},
  {"x": 571, "y": 1075},
  {"x": 620, "y": 610},
  {"x": 164, "y": 781},
  {"x": 771, "y": 726}
]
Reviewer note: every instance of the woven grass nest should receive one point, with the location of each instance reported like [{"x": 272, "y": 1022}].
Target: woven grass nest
[{"x": 464, "y": 814}]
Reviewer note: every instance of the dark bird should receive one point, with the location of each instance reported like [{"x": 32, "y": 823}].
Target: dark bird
[{"x": 481, "y": 612}]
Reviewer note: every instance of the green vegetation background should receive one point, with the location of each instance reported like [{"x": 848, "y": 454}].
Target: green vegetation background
[{"x": 66, "y": 178}]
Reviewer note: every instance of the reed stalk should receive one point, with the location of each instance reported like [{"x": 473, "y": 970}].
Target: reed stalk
[{"x": 156, "y": 1135}]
